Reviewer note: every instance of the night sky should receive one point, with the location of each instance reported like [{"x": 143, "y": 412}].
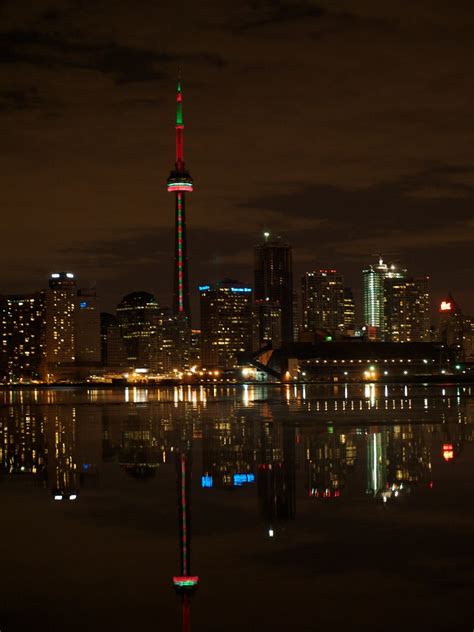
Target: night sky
[{"x": 344, "y": 126}]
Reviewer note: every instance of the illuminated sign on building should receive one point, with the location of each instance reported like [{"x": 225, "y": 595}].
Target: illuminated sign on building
[
  {"x": 445, "y": 306},
  {"x": 241, "y": 289}
]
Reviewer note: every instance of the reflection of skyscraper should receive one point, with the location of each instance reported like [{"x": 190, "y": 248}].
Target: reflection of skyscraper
[
  {"x": 330, "y": 458},
  {"x": 276, "y": 479},
  {"x": 22, "y": 442},
  {"x": 228, "y": 452},
  {"x": 377, "y": 462},
  {"x": 398, "y": 457},
  {"x": 140, "y": 454},
  {"x": 274, "y": 280}
]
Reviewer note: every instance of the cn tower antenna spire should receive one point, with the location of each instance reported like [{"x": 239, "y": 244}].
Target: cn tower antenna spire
[
  {"x": 179, "y": 126},
  {"x": 180, "y": 183}
]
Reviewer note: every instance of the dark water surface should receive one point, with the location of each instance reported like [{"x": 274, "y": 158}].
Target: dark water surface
[{"x": 323, "y": 508}]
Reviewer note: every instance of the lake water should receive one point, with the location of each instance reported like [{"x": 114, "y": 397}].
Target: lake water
[{"x": 313, "y": 507}]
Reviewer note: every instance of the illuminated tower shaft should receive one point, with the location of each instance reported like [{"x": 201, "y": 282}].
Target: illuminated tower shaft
[{"x": 180, "y": 182}]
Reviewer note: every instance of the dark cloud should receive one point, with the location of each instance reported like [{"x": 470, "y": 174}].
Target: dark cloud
[
  {"x": 261, "y": 13},
  {"x": 126, "y": 64},
  {"x": 18, "y": 99}
]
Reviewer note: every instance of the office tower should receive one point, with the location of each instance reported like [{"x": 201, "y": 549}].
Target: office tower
[
  {"x": 23, "y": 336},
  {"x": 195, "y": 348},
  {"x": 323, "y": 301},
  {"x": 406, "y": 310},
  {"x": 113, "y": 352},
  {"x": 226, "y": 323},
  {"x": 175, "y": 343},
  {"x": 468, "y": 338},
  {"x": 274, "y": 280},
  {"x": 349, "y": 309},
  {"x": 87, "y": 327},
  {"x": 180, "y": 183},
  {"x": 451, "y": 324},
  {"x": 60, "y": 307},
  {"x": 374, "y": 293},
  {"x": 268, "y": 323},
  {"x": 141, "y": 323}
]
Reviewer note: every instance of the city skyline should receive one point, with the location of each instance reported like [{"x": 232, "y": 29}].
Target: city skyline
[{"x": 384, "y": 165}]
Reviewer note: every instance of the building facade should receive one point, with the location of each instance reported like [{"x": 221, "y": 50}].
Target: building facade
[
  {"x": 87, "y": 327},
  {"x": 322, "y": 294},
  {"x": 226, "y": 323},
  {"x": 374, "y": 296},
  {"x": 23, "y": 337},
  {"x": 349, "y": 309},
  {"x": 113, "y": 352},
  {"x": 60, "y": 323},
  {"x": 406, "y": 310},
  {"x": 141, "y": 325},
  {"x": 274, "y": 281}
]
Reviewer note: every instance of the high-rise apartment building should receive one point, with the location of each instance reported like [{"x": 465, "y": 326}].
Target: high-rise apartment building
[
  {"x": 322, "y": 295},
  {"x": 23, "y": 337},
  {"x": 406, "y": 310},
  {"x": 349, "y": 309},
  {"x": 141, "y": 324},
  {"x": 374, "y": 296},
  {"x": 226, "y": 323},
  {"x": 60, "y": 307},
  {"x": 274, "y": 281},
  {"x": 87, "y": 327}
]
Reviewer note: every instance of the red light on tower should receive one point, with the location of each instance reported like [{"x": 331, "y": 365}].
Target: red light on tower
[
  {"x": 448, "y": 452},
  {"x": 445, "y": 306}
]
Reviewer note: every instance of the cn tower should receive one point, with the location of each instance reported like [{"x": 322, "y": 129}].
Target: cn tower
[{"x": 180, "y": 183}]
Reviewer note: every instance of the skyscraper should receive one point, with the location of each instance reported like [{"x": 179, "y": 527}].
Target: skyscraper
[
  {"x": 87, "y": 327},
  {"x": 180, "y": 183},
  {"x": 60, "y": 306},
  {"x": 274, "y": 280},
  {"x": 23, "y": 344},
  {"x": 406, "y": 310},
  {"x": 226, "y": 323},
  {"x": 141, "y": 323},
  {"x": 349, "y": 309},
  {"x": 323, "y": 301},
  {"x": 113, "y": 351},
  {"x": 374, "y": 292}
]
